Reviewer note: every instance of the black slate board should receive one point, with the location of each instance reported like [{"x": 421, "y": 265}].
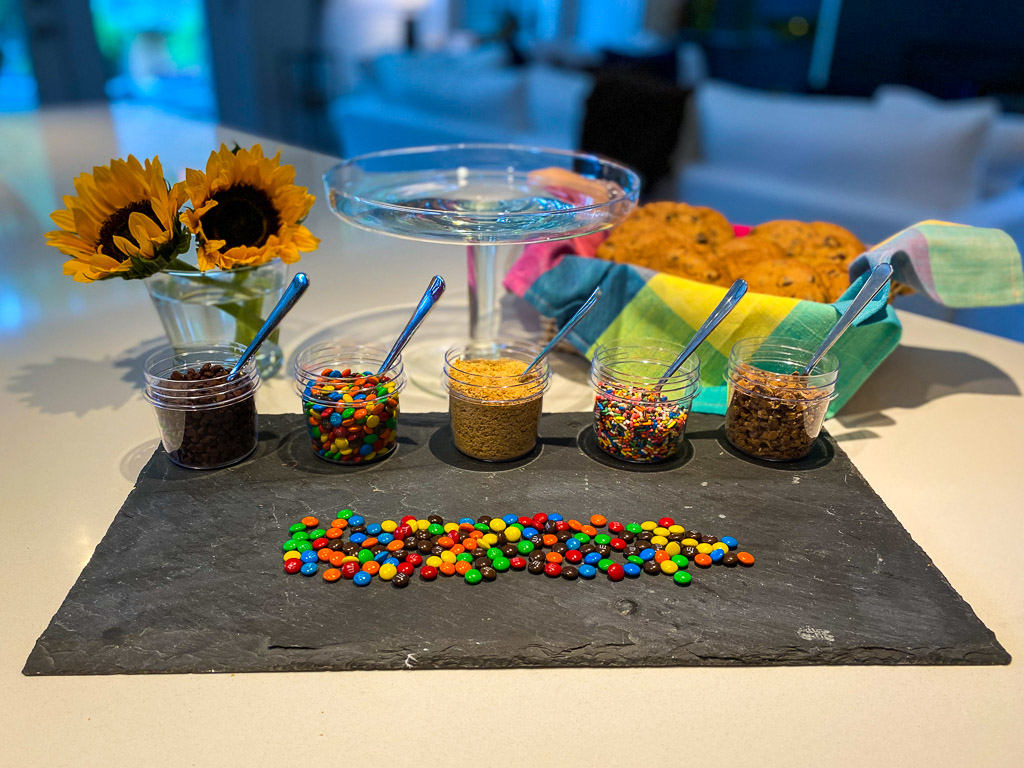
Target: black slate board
[{"x": 188, "y": 578}]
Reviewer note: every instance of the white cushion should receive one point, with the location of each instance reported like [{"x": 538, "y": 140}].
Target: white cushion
[
  {"x": 850, "y": 145},
  {"x": 1003, "y": 154}
]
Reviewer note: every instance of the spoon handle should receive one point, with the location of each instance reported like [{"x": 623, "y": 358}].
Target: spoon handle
[
  {"x": 732, "y": 297},
  {"x": 292, "y": 294},
  {"x": 580, "y": 314},
  {"x": 879, "y": 276},
  {"x": 430, "y": 297}
]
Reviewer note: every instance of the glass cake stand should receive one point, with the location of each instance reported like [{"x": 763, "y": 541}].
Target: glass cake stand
[{"x": 483, "y": 196}]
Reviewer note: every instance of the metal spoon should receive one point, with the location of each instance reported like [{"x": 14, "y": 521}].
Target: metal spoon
[
  {"x": 725, "y": 306},
  {"x": 880, "y": 275},
  {"x": 433, "y": 293},
  {"x": 291, "y": 295},
  {"x": 580, "y": 314}
]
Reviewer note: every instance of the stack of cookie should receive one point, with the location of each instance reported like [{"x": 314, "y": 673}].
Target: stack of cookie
[{"x": 782, "y": 258}]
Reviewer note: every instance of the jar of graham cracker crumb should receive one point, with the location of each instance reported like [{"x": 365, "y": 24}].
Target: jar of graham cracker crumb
[{"x": 494, "y": 408}]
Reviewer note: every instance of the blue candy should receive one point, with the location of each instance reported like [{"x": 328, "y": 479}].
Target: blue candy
[
  {"x": 366, "y": 450},
  {"x": 554, "y": 517},
  {"x": 509, "y": 519},
  {"x": 468, "y": 520},
  {"x": 356, "y": 520},
  {"x": 335, "y": 419},
  {"x": 573, "y": 543},
  {"x": 716, "y": 555},
  {"x": 359, "y": 397},
  {"x": 309, "y": 569},
  {"x": 358, "y": 538},
  {"x": 631, "y": 569},
  {"x": 646, "y": 554},
  {"x": 380, "y": 557},
  {"x": 335, "y": 396},
  {"x": 309, "y": 556},
  {"x": 362, "y": 579},
  {"x": 593, "y": 558},
  {"x": 335, "y": 374},
  {"x": 730, "y": 542},
  {"x": 318, "y": 408},
  {"x": 391, "y": 561},
  {"x": 588, "y": 571},
  {"x": 385, "y": 538},
  {"x": 373, "y": 529},
  {"x": 529, "y": 533}
]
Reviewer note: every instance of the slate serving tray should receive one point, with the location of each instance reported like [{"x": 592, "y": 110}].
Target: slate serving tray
[{"x": 188, "y": 578}]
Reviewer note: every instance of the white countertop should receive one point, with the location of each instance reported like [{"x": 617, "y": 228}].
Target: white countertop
[{"x": 936, "y": 431}]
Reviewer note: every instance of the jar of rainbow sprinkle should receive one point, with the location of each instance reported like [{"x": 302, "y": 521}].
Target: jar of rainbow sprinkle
[{"x": 635, "y": 419}]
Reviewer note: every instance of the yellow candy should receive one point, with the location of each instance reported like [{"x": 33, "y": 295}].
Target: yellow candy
[
  {"x": 676, "y": 529},
  {"x": 668, "y": 567},
  {"x": 372, "y": 421},
  {"x": 388, "y": 526},
  {"x": 673, "y": 548},
  {"x": 497, "y": 525},
  {"x": 349, "y": 559},
  {"x": 347, "y": 398},
  {"x": 513, "y": 534},
  {"x": 422, "y": 525},
  {"x": 345, "y": 451},
  {"x": 648, "y": 525},
  {"x": 387, "y": 572},
  {"x": 704, "y": 549},
  {"x": 328, "y": 388},
  {"x": 659, "y": 531},
  {"x": 489, "y": 539},
  {"x": 447, "y": 557},
  {"x": 433, "y": 561},
  {"x": 291, "y": 555},
  {"x": 448, "y": 527},
  {"x": 369, "y": 456},
  {"x": 689, "y": 542},
  {"x": 721, "y": 546},
  {"x": 659, "y": 540}
]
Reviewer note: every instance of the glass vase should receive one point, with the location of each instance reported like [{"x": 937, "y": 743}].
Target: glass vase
[{"x": 219, "y": 307}]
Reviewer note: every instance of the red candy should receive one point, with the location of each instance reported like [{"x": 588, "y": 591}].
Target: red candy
[
  {"x": 665, "y": 522},
  {"x": 561, "y": 525},
  {"x": 428, "y": 573},
  {"x": 320, "y": 543},
  {"x": 407, "y": 568},
  {"x": 554, "y": 569},
  {"x": 525, "y": 522},
  {"x": 517, "y": 563},
  {"x": 616, "y": 572},
  {"x": 540, "y": 518},
  {"x": 415, "y": 558},
  {"x": 617, "y": 544},
  {"x": 403, "y": 532},
  {"x": 574, "y": 556},
  {"x": 294, "y": 565},
  {"x": 349, "y": 569},
  {"x": 616, "y": 527}
]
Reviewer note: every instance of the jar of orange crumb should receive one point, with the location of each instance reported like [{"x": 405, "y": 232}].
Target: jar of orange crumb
[{"x": 494, "y": 408}]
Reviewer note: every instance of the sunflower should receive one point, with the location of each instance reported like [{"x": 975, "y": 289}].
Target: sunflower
[
  {"x": 246, "y": 210},
  {"x": 123, "y": 223}
]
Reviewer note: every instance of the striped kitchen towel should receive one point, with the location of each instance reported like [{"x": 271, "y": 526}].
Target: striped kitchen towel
[{"x": 955, "y": 265}]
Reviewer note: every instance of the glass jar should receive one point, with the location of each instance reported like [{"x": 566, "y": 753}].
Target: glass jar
[
  {"x": 205, "y": 421},
  {"x": 351, "y": 412},
  {"x": 773, "y": 412},
  {"x": 494, "y": 410},
  {"x": 221, "y": 306},
  {"x": 635, "y": 418}
]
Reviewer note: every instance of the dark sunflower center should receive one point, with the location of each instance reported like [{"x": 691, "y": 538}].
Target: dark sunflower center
[
  {"x": 117, "y": 224},
  {"x": 244, "y": 215}
]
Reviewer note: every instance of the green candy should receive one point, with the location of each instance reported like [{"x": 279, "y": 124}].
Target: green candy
[
  {"x": 483, "y": 527},
  {"x": 582, "y": 538},
  {"x": 473, "y": 576},
  {"x": 332, "y": 456},
  {"x": 303, "y": 546},
  {"x": 634, "y": 528},
  {"x": 525, "y": 547},
  {"x": 435, "y": 529},
  {"x": 348, "y": 413},
  {"x": 290, "y": 546},
  {"x": 680, "y": 560},
  {"x": 315, "y": 432},
  {"x": 319, "y": 533},
  {"x": 300, "y": 536},
  {"x": 602, "y": 538},
  {"x": 365, "y": 555},
  {"x": 297, "y": 527},
  {"x": 464, "y": 556},
  {"x": 682, "y": 577},
  {"x": 370, "y": 439},
  {"x": 382, "y": 391},
  {"x": 494, "y": 553},
  {"x": 603, "y": 563},
  {"x": 391, "y": 423},
  {"x": 636, "y": 560},
  {"x": 345, "y": 514},
  {"x": 501, "y": 563}
]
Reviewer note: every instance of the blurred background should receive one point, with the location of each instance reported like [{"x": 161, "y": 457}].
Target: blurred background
[{"x": 873, "y": 114}]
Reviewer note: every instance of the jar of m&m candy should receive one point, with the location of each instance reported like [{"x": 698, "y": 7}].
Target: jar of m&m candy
[
  {"x": 206, "y": 420},
  {"x": 351, "y": 411},
  {"x": 636, "y": 417}
]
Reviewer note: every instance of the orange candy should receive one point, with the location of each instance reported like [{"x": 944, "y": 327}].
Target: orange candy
[
  {"x": 370, "y": 542},
  {"x": 475, "y": 534},
  {"x": 745, "y": 558},
  {"x": 340, "y": 524},
  {"x": 661, "y": 556},
  {"x": 549, "y": 539},
  {"x": 590, "y": 530},
  {"x": 371, "y": 567},
  {"x": 333, "y": 533},
  {"x": 337, "y": 558},
  {"x": 395, "y": 544},
  {"x": 324, "y": 554},
  {"x": 446, "y": 542},
  {"x": 469, "y": 544},
  {"x": 704, "y": 561},
  {"x": 456, "y": 549},
  {"x": 462, "y": 566},
  {"x": 446, "y": 568},
  {"x": 575, "y": 525},
  {"x": 553, "y": 557},
  {"x": 310, "y": 522},
  {"x": 598, "y": 521},
  {"x": 332, "y": 574}
]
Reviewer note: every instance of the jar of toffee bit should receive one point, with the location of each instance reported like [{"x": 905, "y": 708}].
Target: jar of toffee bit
[
  {"x": 494, "y": 408},
  {"x": 638, "y": 417},
  {"x": 205, "y": 420},
  {"x": 773, "y": 411}
]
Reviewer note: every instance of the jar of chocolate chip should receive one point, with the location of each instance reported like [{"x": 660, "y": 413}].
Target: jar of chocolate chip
[
  {"x": 206, "y": 420},
  {"x": 494, "y": 408},
  {"x": 774, "y": 412}
]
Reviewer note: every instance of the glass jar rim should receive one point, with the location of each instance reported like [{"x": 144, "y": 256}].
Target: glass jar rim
[
  {"x": 608, "y": 359},
  {"x": 525, "y": 351},
  {"x": 164, "y": 392},
  {"x": 784, "y": 349},
  {"x": 314, "y": 358},
  {"x": 233, "y": 271}
]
